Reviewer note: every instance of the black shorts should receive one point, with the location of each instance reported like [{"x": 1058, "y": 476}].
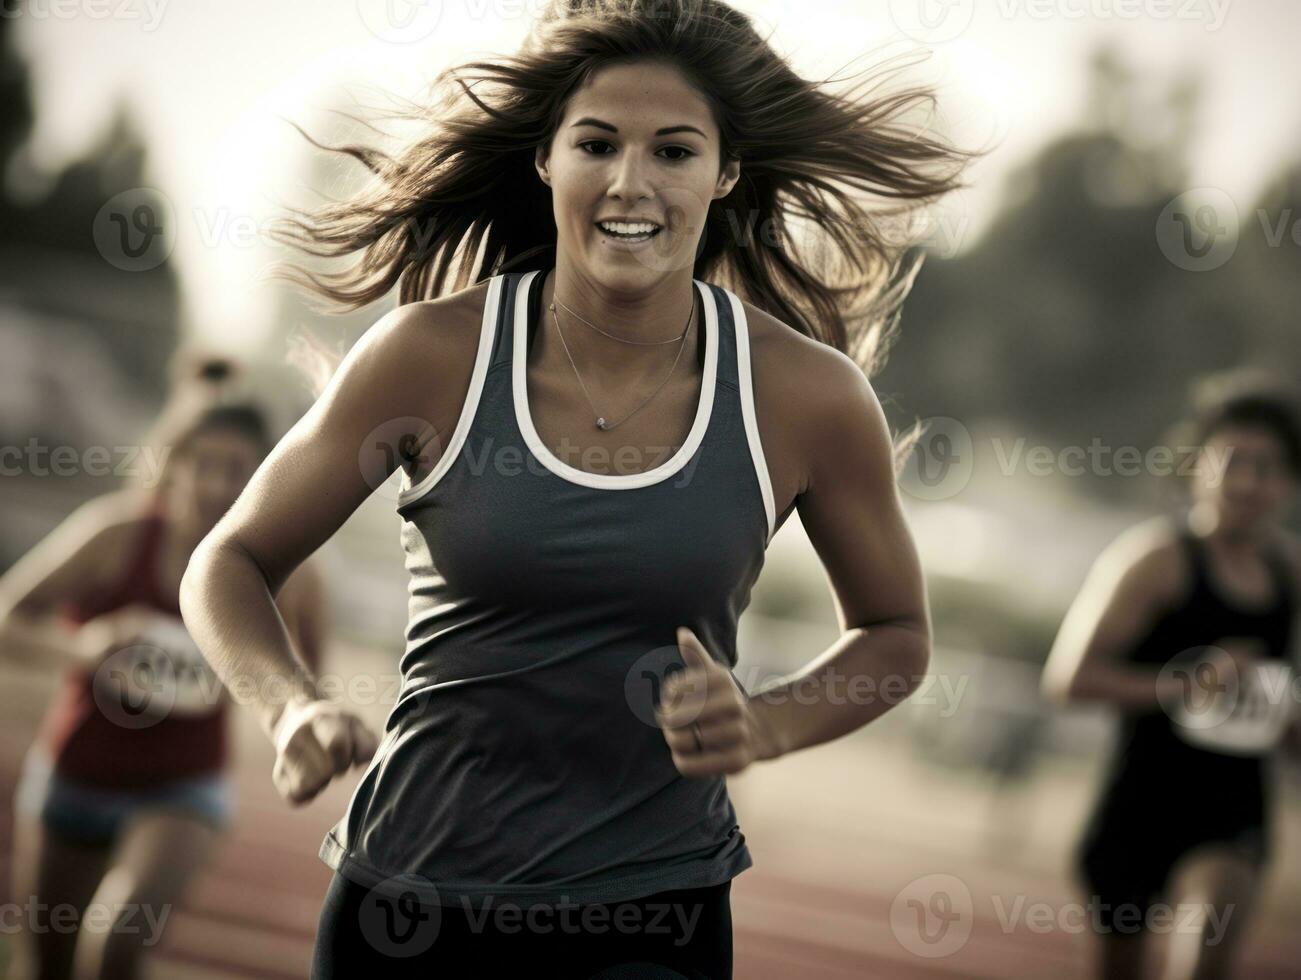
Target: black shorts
[
  {"x": 1140, "y": 828},
  {"x": 684, "y": 934}
]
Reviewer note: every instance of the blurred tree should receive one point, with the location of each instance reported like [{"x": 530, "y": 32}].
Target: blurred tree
[
  {"x": 86, "y": 343},
  {"x": 1067, "y": 318}
]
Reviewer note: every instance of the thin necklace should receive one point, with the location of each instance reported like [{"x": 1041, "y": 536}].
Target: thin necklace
[
  {"x": 601, "y": 423},
  {"x": 644, "y": 343}
]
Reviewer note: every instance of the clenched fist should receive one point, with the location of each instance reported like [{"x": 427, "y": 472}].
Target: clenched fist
[{"x": 316, "y": 741}]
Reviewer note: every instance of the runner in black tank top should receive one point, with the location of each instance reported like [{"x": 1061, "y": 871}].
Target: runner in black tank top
[
  {"x": 1162, "y": 795},
  {"x": 1187, "y": 626}
]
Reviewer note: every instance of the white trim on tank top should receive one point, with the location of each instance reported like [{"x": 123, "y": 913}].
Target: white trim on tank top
[
  {"x": 746, "y": 380},
  {"x": 487, "y": 329},
  {"x": 496, "y": 287},
  {"x": 610, "y": 481}
]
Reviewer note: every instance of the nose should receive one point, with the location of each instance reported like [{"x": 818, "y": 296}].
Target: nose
[{"x": 629, "y": 181}]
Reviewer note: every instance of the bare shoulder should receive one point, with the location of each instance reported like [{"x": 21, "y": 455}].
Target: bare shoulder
[
  {"x": 786, "y": 354},
  {"x": 446, "y": 325},
  {"x": 1148, "y": 558},
  {"x": 837, "y": 404},
  {"x": 419, "y": 356}
]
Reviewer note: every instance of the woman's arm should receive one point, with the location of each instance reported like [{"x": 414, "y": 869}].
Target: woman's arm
[
  {"x": 69, "y": 564},
  {"x": 302, "y": 603},
  {"x": 1141, "y": 574},
  {"x": 851, "y": 510},
  {"x": 305, "y": 489}
]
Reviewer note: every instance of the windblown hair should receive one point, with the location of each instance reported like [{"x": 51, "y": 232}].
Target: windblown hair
[
  {"x": 811, "y": 232},
  {"x": 202, "y": 398}
]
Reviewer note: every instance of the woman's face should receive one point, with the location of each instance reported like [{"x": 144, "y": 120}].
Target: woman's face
[
  {"x": 637, "y": 141},
  {"x": 1252, "y": 483},
  {"x": 209, "y": 473}
]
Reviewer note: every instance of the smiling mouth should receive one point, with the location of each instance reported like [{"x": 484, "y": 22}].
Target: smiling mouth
[{"x": 640, "y": 236}]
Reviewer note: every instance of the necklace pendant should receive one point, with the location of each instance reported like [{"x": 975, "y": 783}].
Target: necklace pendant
[{"x": 600, "y": 423}]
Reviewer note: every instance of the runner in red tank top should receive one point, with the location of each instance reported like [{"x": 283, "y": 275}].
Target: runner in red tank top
[
  {"x": 96, "y": 734},
  {"x": 124, "y": 789}
]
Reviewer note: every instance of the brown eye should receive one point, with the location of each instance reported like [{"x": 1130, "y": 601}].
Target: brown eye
[{"x": 681, "y": 149}]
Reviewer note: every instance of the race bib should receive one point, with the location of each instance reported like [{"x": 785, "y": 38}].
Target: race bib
[
  {"x": 1248, "y": 719},
  {"x": 162, "y": 674}
]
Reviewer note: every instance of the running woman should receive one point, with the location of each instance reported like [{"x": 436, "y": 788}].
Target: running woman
[
  {"x": 596, "y": 445},
  {"x": 1186, "y": 625},
  {"x": 125, "y": 791}
]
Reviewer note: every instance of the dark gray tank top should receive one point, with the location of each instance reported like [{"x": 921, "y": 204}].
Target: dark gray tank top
[{"x": 521, "y": 761}]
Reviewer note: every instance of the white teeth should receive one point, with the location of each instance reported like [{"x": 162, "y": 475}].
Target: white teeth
[{"x": 622, "y": 228}]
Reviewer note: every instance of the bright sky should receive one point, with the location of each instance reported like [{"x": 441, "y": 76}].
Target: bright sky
[{"x": 209, "y": 81}]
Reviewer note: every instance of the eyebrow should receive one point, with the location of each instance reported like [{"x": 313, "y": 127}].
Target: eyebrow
[{"x": 667, "y": 130}]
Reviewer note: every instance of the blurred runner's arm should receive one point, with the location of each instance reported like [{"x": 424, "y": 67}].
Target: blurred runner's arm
[
  {"x": 1132, "y": 582},
  {"x": 69, "y": 564}
]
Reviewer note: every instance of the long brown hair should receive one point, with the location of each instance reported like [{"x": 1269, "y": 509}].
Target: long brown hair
[{"x": 808, "y": 233}]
